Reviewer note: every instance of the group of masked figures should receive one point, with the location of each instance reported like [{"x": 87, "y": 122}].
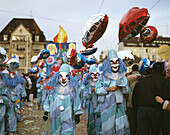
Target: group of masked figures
[
  {"x": 12, "y": 93},
  {"x": 99, "y": 92}
]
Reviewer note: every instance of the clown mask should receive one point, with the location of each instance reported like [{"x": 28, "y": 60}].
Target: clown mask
[
  {"x": 94, "y": 76},
  {"x": 114, "y": 63},
  {"x": 63, "y": 79}
]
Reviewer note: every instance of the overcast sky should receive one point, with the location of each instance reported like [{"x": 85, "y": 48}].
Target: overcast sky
[{"x": 72, "y": 16}]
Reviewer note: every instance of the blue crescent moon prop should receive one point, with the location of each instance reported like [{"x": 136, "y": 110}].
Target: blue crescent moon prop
[
  {"x": 90, "y": 60},
  {"x": 90, "y": 52},
  {"x": 44, "y": 54},
  {"x": 34, "y": 70}
]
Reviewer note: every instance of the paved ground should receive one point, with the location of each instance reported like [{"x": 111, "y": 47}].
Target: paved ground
[{"x": 33, "y": 124}]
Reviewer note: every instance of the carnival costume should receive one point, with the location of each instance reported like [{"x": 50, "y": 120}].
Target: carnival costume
[
  {"x": 63, "y": 103},
  {"x": 111, "y": 86},
  {"x": 90, "y": 101}
]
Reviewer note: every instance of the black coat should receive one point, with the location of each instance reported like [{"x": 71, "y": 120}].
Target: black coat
[{"x": 148, "y": 88}]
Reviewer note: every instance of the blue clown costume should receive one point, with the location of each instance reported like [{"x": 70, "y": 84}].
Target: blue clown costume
[
  {"x": 41, "y": 92},
  {"x": 63, "y": 104},
  {"x": 90, "y": 103},
  {"x": 4, "y": 103},
  {"x": 111, "y": 104},
  {"x": 21, "y": 93},
  {"x": 13, "y": 65},
  {"x": 14, "y": 110}
]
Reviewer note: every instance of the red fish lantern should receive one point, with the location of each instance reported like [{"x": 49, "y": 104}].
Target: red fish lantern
[
  {"x": 132, "y": 23},
  {"x": 148, "y": 34},
  {"x": 94, "y": 29}
]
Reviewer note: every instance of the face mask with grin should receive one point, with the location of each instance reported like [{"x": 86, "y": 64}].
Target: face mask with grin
[
  {"x": 94, "y": 76},
  {"x": 63, "y": 79},
  {"x": 114, "y": 63}
]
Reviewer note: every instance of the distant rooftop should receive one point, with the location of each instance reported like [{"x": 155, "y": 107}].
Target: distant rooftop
[{"x": 29, "y": 24}]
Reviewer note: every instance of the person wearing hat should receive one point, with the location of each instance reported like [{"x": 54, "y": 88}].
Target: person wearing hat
[
  {"x": 40, "y": 91},
  {"x": 111, "y": 86},
  {"x": 90, "y": 100},
  {"x": 63, "y": 102},
  {"x": 13, "y": 82},
  {"x": 149, "y": 112},
  {"x": 4, "y": 95}
]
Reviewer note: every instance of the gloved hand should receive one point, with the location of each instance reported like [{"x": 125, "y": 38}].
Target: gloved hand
[
  {"x": 77, "y": 119},
  {"x": 45, "y": 117}
]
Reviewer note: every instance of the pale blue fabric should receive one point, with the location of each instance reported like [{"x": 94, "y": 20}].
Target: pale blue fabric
[
  {"x": 62, "y": 121},
  {"x": 3, "y": 106},
  {"x": 113, "y": 116},
  {"x": 92, "y": 69},
  {"x": 90, "y": 104},
  {"x": 41, "y": 91},
  {"x": 64, "y": 68},
  {"x": 112, "y": 54},
  {"x": 11, "y": 84}
]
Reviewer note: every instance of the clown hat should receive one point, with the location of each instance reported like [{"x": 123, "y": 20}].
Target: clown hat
[
  {"x": 112, "y": 54},
  {"x": 65, "y": 68}
]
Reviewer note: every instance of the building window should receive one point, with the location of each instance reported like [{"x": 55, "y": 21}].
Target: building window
[
  {"x": 37, "y": 38},
  {"x": 14, "y": 38},
  {"x": 5, "y": 37},
  {"x": 153, "y": 57},
  {"x": 146, "y": 50},
  {"x": 148, "y": 57}
]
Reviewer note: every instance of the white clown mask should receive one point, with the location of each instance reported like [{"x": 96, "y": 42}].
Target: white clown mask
[
  {"x": 94, "y": 76},
  {"x": 63, "y": 79},
  {"x": 114, "y": 62},
  {"x": 12, "y": 64}
]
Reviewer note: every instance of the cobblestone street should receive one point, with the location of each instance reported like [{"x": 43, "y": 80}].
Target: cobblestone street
[{"x": 33, "y": 123}]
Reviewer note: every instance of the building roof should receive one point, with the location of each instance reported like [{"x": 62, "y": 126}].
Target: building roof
[
  {"x": 136, "y": 40},
  {"x": 29, "y": 24}
]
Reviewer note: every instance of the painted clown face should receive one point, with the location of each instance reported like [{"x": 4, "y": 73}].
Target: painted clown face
[
  {"x": 63, "y": 79},
  {"x": 94, "y": 76},
  {"x": 114, "y": 62}
]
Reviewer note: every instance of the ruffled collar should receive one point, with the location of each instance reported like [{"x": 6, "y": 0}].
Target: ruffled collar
[
  {"x": 62, "y": 90},
  {"x": 11, "y": 81},
  {"x": 114, "y": 76}
]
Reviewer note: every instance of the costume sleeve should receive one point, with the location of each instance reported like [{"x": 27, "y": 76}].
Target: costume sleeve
[
  {"x": 46, "y": 105},
  {"x": 23, "y": 92},
  {"x": 123, "y": 82},
  {"x": 100, "y": 88},
  {"x": 87, "y": 93},
  {"x": 77, "y": 105},
  {"x": 136, "y": 95},
  {"x": 38, "y": 85},
  {"x": 7, "y": 102}
]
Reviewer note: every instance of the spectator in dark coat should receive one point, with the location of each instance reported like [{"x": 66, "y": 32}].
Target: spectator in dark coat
[
  {"x": 34, "y": 81},
  {"x": 133, "y": 78},
  {"x": 149, "y": 111}
]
